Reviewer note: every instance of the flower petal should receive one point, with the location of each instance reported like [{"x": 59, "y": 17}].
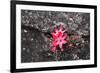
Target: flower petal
[{"x": 53, "y": 49}]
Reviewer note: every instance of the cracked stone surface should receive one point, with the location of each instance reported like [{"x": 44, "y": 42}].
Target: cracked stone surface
[{"x": 35, "y": 33}]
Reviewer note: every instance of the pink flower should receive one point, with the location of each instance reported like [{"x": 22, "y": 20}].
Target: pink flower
[{"x": 58, "y": 39}]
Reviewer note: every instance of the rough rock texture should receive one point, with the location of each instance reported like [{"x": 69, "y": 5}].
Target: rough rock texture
[{"x": 35, "y": 32}]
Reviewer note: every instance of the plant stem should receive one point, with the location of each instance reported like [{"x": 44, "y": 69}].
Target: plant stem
[{"x": 56, "y": 56}]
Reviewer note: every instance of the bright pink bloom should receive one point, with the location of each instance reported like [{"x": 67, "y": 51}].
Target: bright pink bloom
[{"x": 58, "y": 39}]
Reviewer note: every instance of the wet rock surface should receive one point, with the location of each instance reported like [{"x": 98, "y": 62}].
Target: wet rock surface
[{"x": 36, "y": 38}]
